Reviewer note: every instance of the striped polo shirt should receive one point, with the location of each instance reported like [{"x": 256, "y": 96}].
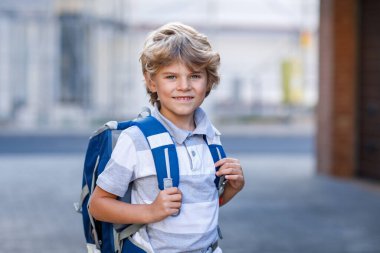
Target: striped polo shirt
[{"x": 195, "y": 228}]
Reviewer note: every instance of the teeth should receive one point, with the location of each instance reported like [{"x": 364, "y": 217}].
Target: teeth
[{"x": 183, "y": 98}]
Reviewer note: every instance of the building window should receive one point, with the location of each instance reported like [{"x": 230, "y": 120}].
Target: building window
[{"x": 74, "y": 78}]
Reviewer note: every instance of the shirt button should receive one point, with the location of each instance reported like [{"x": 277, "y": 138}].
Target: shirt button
[{"x": 193, "y": 153}]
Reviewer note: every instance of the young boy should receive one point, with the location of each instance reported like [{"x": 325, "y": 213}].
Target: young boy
[{"x": 180, "y": 69}]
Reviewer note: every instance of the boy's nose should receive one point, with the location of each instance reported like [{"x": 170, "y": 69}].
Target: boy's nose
[{"x": 183, "y": 84}]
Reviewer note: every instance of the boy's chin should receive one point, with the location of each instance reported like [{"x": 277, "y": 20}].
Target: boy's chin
[{"x": 184, "y": 112}]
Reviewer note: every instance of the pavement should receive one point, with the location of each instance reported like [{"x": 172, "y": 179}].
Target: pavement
[{"x": 285, "y": 206}]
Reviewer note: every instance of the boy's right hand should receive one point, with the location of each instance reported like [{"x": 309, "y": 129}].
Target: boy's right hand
[{"x": 167, "y": 202}]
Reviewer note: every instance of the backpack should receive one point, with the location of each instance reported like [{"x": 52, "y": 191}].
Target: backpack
[{"x": 104, "y": 237}]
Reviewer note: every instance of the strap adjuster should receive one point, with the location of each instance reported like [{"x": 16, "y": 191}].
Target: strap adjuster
[{"x": 212, "y": 247}]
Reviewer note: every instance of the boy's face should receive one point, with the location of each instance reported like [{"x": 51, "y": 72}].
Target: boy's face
[{"x": 180, "y": 90}]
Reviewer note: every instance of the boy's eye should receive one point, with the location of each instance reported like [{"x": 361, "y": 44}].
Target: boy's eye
[
  {"x": 171, "y": 77},
  {"x": 196, "y": 76}
]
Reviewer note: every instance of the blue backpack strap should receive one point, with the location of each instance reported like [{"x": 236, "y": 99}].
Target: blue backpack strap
[
  {"x": 217, "y": 153},
  {"x": 163, "y": 151},
  {"x": 131, "y": 247},
  {"x": 165, "y": 160}
]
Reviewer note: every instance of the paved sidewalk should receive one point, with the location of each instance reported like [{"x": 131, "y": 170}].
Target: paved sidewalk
[{"x": 284, "y": 208}]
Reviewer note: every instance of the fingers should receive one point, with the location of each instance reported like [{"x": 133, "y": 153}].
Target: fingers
[
  {"x": 174, "y": 206},
  {"x": 226, "y": 160},
  {"x": 172, "y": 190},
  {"x": 229, "y": 166},
  {"x": 172, "y": 200},
  {"x": 229, "y": 170},
  {"x": 172, "y": 194},
  {"x": 234, "y": 177},
  {"x": 168, "y": 202}
]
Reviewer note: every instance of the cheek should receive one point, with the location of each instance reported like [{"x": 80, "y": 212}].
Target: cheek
[
  {"x": 163, "y": 93},
  {"x": 202, "y": 88}
]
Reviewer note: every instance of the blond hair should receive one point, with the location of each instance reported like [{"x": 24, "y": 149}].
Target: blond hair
[{"x": 178, "y": 42}]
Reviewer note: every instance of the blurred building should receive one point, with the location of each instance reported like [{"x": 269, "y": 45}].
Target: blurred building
[
  {"x": 70, "y": 63},
  {"x": 60, "y": 61},
  {"x": 349, "y": 103}
]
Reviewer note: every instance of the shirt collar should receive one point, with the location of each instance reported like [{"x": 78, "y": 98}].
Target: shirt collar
[{"x": 202, "y": 126}]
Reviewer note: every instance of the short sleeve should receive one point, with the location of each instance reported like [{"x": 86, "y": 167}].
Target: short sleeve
[{"x": 119, "y": 170}]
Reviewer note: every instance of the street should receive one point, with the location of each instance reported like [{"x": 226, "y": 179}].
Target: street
[
  {"x": 74, "y": 144},
  {"x": 284, "y": 207}
]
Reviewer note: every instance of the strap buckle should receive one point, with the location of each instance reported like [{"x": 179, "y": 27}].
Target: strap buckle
[{"x": 211, "y": 248}]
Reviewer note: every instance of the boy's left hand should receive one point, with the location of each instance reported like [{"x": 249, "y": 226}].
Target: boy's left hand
[{"x": 233, "y": 172}]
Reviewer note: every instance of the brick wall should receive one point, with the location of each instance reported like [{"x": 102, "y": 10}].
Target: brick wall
[{"x": 336, "y": 137}]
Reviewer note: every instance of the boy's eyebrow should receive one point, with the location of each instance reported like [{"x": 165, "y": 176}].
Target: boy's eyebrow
[
  {"x": 175, "y": 73},
  {"x": 192, "y": 72},
  {"x": 197, "y": 71}
]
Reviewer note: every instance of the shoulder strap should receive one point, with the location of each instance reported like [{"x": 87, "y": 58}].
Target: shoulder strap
[
  {"x": 165, "y": 160},
  {"x": 163, "y": 151},
  {"x": 217, "y": 153}
]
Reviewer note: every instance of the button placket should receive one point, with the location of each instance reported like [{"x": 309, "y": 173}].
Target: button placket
[
  {"x": 195, "y": 159},
  {"x": 193, "y": 154}
]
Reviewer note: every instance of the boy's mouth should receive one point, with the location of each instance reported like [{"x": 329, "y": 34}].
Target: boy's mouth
[{"x": 183, "y": 98}]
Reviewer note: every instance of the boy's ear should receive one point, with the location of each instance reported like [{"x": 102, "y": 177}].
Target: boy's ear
[{"x": 150, "y": 83}]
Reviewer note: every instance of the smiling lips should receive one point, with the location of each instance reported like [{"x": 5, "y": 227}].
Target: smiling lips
[{"x": 183, "y": 98}]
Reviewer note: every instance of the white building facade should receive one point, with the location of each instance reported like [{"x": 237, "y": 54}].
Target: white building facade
[{"x": 74, "y": 63}]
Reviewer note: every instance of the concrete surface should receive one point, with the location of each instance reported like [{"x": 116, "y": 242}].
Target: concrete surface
[{"x": 284, "y": 208}]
